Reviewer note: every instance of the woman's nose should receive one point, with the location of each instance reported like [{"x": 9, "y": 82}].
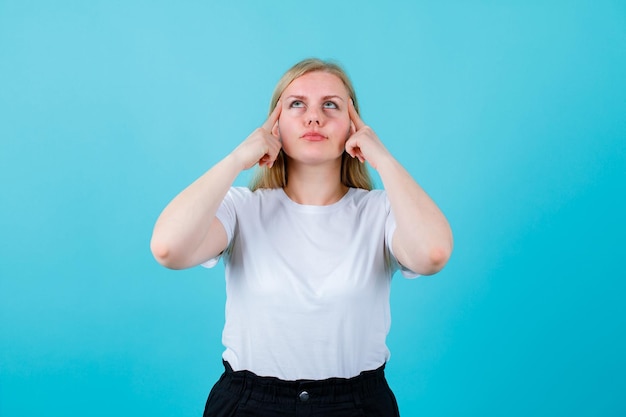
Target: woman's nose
[{"x": 313, "y": 117}]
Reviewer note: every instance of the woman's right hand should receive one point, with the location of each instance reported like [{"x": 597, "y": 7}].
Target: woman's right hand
[
  {"x": 187, "y": 231},
  {"x": 262, "y": 146}
]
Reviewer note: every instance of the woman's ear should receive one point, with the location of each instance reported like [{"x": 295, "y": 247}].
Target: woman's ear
[{"x": 276, "y": 130}]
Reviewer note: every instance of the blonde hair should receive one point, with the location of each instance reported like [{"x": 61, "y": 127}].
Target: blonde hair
[{"x": 353, "y": 172}]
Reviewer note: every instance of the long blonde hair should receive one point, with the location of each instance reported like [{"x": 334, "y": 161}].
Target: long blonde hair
[{"x": 353, "y": 173}]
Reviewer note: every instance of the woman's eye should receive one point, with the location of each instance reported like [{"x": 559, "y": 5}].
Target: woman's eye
[
  {"x": 297, "y": 103},
  {"x": 330, "y": 105}
]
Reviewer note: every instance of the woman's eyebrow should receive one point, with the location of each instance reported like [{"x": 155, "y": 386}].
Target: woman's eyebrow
[
  {"x": 332, "y": 96},
  {"x": 296, "y": 97},
  {"x": 299, "y": 97}
]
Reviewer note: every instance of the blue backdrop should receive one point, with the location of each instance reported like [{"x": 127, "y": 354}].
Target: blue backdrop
[{"x": 511, "y": 114}]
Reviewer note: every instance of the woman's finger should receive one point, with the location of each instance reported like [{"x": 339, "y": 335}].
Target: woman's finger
[
  {"x": 354, "y": 116},
  {"x": 354, "y": 150},
  {"x": 272, "y": 154},
  {"x": 271, "y": 121}
]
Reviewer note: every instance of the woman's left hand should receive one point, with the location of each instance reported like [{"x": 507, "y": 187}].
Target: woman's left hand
[
  {"x": 364, "y": 144},
  {"x": 422, "y": 240}
]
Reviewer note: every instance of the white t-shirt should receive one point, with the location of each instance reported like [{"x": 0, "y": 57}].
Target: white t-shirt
[{"x": 307, "y": 287}]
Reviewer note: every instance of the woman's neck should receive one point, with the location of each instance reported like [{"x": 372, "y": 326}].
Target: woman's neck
[{"x": 314, "y": 185}]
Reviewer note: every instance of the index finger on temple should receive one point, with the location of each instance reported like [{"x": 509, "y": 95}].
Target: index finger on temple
[
  {"x": 354, "y": 116},
  {"x": 273, "y": 118}
]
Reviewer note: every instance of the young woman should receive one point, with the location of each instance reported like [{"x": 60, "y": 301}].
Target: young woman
[{"x": 309, "y": 250}]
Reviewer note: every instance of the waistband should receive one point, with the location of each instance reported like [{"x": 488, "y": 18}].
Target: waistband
[{"x": 250, "y": 386}]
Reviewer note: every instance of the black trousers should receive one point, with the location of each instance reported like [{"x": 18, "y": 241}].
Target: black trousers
[{"x": 244, "y": 394}]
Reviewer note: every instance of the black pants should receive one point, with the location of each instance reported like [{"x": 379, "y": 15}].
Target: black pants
[{"x": 244, "y": 394}]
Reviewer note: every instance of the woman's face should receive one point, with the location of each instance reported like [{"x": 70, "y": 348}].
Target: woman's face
[{"x": 314, "y": 123}]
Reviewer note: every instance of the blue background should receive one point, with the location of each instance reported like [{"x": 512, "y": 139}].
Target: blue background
[{"x": 512, "y": 115}]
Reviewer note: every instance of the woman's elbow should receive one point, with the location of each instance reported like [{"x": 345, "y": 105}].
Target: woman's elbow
[
  {"x": 429, "y": 261},
  {"x": 437, "y": 258},
  {"x": 439, "y": 254},
  {"x": 162, "y": 253}
]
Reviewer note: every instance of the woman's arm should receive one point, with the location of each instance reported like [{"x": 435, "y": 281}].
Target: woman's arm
[
  {"x": 422, "y": 241},
  {"x": 187, "y": 232}
]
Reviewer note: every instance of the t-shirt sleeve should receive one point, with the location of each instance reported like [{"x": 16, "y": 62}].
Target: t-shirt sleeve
[
  {"x": 227, "y": 215},
  {"x": 390, "y": 228}
]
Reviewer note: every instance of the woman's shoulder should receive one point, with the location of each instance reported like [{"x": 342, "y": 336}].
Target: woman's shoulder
[
  {"x": 368, "y": 200},
  {"x": 243, "y": 194},
  {"x": 361, "y": 195}
]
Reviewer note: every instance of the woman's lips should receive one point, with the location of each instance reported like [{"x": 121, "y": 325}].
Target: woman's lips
[{"x": 313, "y": 136}]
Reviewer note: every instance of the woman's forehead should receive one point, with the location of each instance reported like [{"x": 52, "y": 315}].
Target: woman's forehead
[{"x": 317, "y": 83}]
